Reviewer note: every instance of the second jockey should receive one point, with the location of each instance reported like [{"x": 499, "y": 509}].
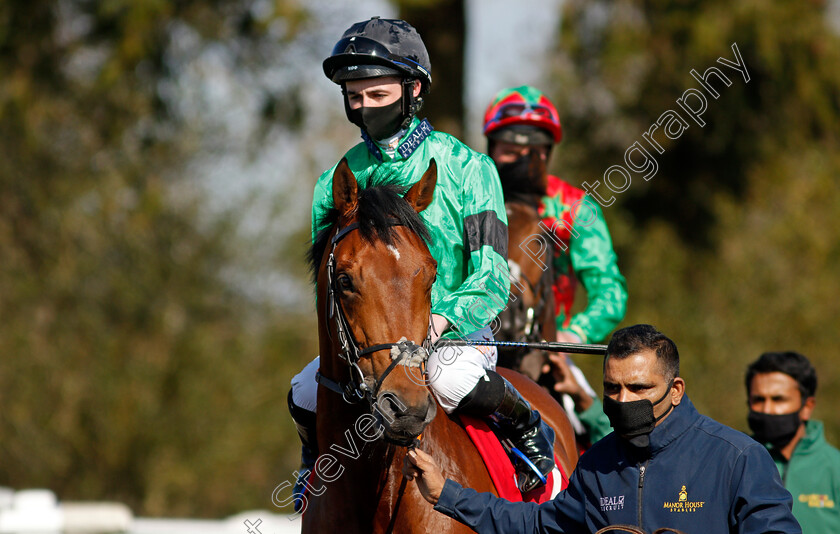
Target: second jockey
[{"x": 521, "y": 123}]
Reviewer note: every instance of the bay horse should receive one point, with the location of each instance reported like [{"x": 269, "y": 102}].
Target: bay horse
[{"x": 374, "y": 280}]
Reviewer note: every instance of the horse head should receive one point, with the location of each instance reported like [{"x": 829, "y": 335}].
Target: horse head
[{"x": 374, "y": 284}]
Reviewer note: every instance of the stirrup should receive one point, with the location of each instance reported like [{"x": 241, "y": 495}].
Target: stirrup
[
  {"x": 306, "y": 427},
  {"x": 299, "y": 489},
  {"x": 534, "y": 469},
  {"x": 530, "y": 437}
]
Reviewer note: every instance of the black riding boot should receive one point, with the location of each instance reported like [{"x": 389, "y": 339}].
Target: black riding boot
[
  {"x": 305, "y": 423},
  {"x": 496, "y": 397}
]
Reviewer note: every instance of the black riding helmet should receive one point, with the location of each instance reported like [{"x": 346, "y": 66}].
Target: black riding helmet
[
  {"x": 379, "y": 47},
  {"x": 382, "y": 47}
]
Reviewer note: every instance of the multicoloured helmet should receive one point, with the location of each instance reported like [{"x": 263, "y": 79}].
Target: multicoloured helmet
[
  {"x": 522, "y": 115},
  {"x": 379, "y": 47}
]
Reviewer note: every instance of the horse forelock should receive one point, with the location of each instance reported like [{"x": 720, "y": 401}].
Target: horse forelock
[{"x": 379, "y": 206}]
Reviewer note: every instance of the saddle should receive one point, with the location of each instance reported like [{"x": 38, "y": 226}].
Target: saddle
[{"x": 500, "y": 460}]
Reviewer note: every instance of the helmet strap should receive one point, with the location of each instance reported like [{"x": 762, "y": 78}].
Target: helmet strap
[
  {"x": 344, "y": 97},
  {"x": 410, "y": 104}
]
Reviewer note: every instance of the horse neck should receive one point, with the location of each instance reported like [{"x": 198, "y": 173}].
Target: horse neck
[
  {"x": 338, "y": 429},
  {"x": 529, "y": 198}
]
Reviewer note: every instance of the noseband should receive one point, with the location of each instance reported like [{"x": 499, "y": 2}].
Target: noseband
[{"x": 403, "y": 352}]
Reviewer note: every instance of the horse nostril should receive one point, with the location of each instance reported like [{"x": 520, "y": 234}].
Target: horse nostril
[
  {"x": 390, "y": 406},
  {"x": 393, "y": 406}
]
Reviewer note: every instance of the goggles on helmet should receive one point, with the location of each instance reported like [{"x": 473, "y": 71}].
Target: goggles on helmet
[
  {"x": 368, "y": 49},
  {"x": 525, "y": 111},
  {"x": 361, "y": 45}
]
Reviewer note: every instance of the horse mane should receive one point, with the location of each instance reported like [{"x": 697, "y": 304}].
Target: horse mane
[{"x": 378, "y": 206}]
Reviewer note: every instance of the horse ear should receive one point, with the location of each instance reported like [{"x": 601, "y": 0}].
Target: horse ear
[
  {"x": 345, "y": 189},
  {"x": 421, "y": 194}
]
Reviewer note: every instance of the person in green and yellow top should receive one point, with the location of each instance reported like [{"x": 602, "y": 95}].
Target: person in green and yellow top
[
  {"x": 521, "y": 123},
  {"x": 781, "y": 388},
  {"x": 383, "y": 69}
]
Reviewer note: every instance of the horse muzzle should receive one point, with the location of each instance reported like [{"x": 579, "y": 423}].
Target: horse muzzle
[{"x": 403, "y": 422}]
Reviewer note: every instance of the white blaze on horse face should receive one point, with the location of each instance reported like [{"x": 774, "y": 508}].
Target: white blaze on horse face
[{"x": 394, "y": 251}]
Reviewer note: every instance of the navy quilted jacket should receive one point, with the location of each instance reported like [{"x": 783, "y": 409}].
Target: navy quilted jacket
[{"x": 699, "y": 477}]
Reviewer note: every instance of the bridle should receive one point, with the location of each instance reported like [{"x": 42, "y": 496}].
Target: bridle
[{"x": 403, "y": 352}]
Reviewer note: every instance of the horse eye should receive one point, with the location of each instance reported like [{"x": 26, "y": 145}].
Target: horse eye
[{"x": 344, "y": 282}]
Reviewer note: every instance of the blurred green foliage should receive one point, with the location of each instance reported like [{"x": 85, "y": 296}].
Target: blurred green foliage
[
  {"x": 732, "y": 248},
  {"x": 131, "y": 369}
]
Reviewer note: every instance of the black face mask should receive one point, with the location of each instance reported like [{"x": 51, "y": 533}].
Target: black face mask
[
  {"x": 515, "y": 171},
  {"x": 634, "y": 420},
  {"x": 381, "y": 122},
  {"x": 517, "y": 176},
  {"x": 774, "y": 429}
]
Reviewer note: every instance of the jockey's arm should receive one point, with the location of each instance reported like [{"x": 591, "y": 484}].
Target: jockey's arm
[{"x": 484, "y": 291}]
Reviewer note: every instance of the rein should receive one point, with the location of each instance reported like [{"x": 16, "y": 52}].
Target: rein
[
  {"x": 550, "y": 346},
  {"x": 403, "y": 352}
]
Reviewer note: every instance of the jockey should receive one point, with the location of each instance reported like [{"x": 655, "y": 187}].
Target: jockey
[
  {"x": 383, "y": 69},
  {"x": 521, "y": 123}
]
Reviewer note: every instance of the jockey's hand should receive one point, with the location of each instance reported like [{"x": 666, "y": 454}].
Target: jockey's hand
[
  {"x": 419, "y": 466},
  {"x": 439, "y": 325},
  {"x": 565, "y": 381}
]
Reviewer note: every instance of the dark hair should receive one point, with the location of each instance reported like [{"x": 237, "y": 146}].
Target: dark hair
[
  {"x": 640, "y": 337},
  {"x": 791, "y": 363},
  {"x": 378, "y": 207}
]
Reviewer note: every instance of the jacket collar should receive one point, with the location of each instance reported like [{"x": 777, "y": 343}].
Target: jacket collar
[
  {"x": 681, "y": 418},
  {"x": 417, "y": 131},
  {"x": 814, "y": 435}
]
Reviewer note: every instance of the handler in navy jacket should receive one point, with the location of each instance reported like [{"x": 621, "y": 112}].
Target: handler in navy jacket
[{"x": 665, "y": 465}]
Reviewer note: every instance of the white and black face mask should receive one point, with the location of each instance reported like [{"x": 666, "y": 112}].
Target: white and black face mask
[
  {"x": 379, "y": 122},
  {"x": 384, "y": 122}
]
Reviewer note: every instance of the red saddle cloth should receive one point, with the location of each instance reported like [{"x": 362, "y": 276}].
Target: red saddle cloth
[{"x": 501, "y": 469}]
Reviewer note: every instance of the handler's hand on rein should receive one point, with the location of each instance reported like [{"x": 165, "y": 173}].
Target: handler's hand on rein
[{"x": 419, "y": 466}]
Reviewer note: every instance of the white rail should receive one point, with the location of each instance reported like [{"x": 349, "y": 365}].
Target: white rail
[{"x": 38, "y": 511}]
